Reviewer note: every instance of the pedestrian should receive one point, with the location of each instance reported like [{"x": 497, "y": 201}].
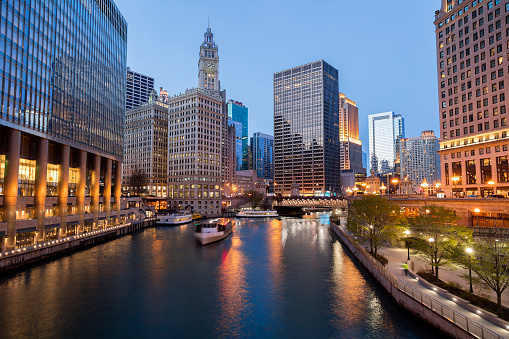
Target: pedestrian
[{"x": 405, "y": 268}]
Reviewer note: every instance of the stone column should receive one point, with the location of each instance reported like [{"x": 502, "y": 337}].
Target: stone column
[
  {"x": 94, "y": 192},
  {"x": 478, "y": 179},
  {"x": 80, "y": 188},
  {"x": 107, "y": 189},
  {"x": 11, "y": 187},
  {"x": 41, "y": 173},
  {"x": 118, "y": 186},
  {"x": 63, "y": 189},
  {"x": 494, "y": 175}
]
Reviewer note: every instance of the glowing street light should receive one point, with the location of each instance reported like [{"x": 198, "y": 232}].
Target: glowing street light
[
  {"x": 382, "y": 189},
  {"x": 477, "y": 216},
  {"x": 491, "y": 183},
  {"x": 455, "y": 179},
  {"x": 424, "y": 186}
]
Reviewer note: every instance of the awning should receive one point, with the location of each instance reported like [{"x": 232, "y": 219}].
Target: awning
[
  {"x": 52, "y": 226},
  {"x": 24, "y": 230},
  {"x": 89, "y": 220},
  {"x": 69, "y": 223},
  {"x": 102, "y": 218}
]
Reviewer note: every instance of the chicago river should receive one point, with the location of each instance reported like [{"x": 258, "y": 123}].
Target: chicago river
[{"x": 271, "y": 278}]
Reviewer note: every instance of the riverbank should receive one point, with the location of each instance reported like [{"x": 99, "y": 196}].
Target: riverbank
[
  {"x": 442, "y": 313},
  {"x": 30, "y": 254}
]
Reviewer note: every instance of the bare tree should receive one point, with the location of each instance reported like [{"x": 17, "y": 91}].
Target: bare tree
[
  {"x": 254, "y": 198},
  {"x": 137, "y": 180}
]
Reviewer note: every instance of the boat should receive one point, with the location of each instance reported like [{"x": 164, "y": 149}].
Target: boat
[
  {"x": 173, "y": 219},
  {"x": 196, "y": 215},
  {"x": 213, "y": 230},
  {"x": 257, "y": 214}
]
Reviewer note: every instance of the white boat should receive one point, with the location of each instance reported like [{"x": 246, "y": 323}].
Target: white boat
[
  {"x": 213, "y": 230},
  {"x": 257, "y": 214},
  {"x": 173, "y": 219}
]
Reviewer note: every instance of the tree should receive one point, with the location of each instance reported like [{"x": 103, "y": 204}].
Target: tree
[
  {"x": 489, "y": 262},
  {"x": 374, "y": 220},
  {"x": 436, "y": 235},
  {"x": 137, "y": 180},
  {"x": 254, "y": 198}
]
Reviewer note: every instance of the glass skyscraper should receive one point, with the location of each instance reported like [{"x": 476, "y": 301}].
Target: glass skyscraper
[
  {"x": 239, "y": 113},
  {"x": 262, "y": 153},
  {"x": 62, "y": 101},
  {"x": 420, "y": 159},
  {"x": 238, "y": 143},
  {"x": 306, "y": 130},
  {"x": 385, "y": 133}
]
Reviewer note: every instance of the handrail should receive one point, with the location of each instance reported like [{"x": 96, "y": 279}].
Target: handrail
[{"x": 460, "y": 320}]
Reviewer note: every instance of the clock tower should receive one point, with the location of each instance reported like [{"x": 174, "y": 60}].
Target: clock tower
[{"x": 208, "y": 65}]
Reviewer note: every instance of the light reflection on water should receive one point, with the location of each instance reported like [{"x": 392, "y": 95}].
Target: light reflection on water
[{"x": 272, "y": 278}]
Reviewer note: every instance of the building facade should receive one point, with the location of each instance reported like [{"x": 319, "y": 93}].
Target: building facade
[
  {"x": 350, "y": 143},
  {"x": 420, "y": 160},
  {"x": 194, "y": 152},
  {"x": 472, "y": 70},
  {"x": 138, "y": 89},
  {"x": 229, "y": 176},
  {"x": 146, "y": 147},
  {"x": 385, "y": 133},
  {"x": 62, "y": 122},
  {"x": 239, "y": 113},
  {"x": 306, "y": 130},
  {"x": 239, "y": 142},
  {"x": 262, "y": 153}
]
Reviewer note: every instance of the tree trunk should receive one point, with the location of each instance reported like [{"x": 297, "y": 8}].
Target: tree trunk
[
  {"x": 436, "y": 274},
  {"x": 499, "y": 303}
]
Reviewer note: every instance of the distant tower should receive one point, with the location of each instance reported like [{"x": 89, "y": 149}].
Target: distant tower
[{"x": 208, "y": 65}]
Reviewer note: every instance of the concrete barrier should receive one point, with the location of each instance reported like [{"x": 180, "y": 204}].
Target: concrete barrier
[{"x": 437, "y": 314}]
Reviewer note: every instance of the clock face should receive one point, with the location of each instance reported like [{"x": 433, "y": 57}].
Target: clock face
[{"x": 209, "y": 66}]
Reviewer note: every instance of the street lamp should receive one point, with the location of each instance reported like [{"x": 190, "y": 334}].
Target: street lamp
[
  {"x": 469, "y": 251},
  {"x": 407, "y": 232},
  {"x": 349, "y": 191},
  {"x": 455, "y": 179},
  {"x": 477, "y": 216},
  {"x": 424, "y": 186},
  {"x": 395, "y": 182},
  {"x": 491, "y": 183},
  {"x": 355, "y": 189},
  {"x": 382, "y": 189}
]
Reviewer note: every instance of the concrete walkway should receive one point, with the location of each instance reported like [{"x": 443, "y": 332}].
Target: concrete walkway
[{"x": 397, "y": 257}]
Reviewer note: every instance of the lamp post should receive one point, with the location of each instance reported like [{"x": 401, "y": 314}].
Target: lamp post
[
  {"x": 395, "y": 182},
  {"x": 355, "y": 189},
  {"x": 455, "y": 179},
  {"x": 382, "y": 189},
  {"x": 477, "y": 216},
  {"x": 491, "y": 183},
  {"x": 349, "y": 191},
  {"x": 469, "y": 251},
  {"x": 424, "y": 186},
  {"x": 407, "y": 232}
]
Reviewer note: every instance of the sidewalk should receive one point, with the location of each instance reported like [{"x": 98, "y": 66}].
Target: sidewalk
[{"x": 397, "y": 257}]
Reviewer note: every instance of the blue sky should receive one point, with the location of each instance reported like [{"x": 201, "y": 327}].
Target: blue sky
[{"x": 384, "y": 51}]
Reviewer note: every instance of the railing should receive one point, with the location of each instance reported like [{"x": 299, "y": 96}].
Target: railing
[{"x": 460, "y": 320}]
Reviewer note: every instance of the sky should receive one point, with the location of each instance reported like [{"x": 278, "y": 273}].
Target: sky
[{"x": 384, "y": 51}]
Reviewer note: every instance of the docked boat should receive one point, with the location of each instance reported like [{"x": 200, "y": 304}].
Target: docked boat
[
  {"x": 257, "y": 214},
  {"x": 173, "y": 219},
  {"x": 213, "y": 230},
  {"x": 196, "y": 215}
]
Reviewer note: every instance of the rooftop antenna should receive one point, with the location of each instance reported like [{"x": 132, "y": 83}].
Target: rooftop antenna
[{"x": 208, "y": 25}]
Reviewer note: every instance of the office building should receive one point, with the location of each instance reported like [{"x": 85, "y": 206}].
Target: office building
[
  {"x": 420, "y": 160},
  {"x": 62, "y": 122},
  {"x": 146, "y": 148},
  {"x": 472, "y": 72},
  {"x": 306, "y": 130},
  {"x": 238, "y": 143},
  {"x": 350, "y": 143},
  {"x": 229, "y": 176},
  {"x": 138, "y": 89},
  {"x": 262, "y": 153},
  {"x": 239, "y": 113},
  {"x": 385, "y": 133},
  {"x": 197, "y": 139}
]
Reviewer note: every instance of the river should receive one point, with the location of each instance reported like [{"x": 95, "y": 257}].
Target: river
[{"x": 272, "y": 278}]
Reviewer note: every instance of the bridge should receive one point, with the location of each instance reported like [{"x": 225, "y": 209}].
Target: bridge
[{"x": 332, "y": 203}]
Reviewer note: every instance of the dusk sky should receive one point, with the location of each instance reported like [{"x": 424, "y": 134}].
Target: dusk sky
[{"x": 384, "y": 51}]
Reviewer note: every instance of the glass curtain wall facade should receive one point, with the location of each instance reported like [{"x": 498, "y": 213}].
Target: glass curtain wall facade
[
  {"x": 239, "y": 113},
  {"x": 306, "y": 130},
  {"x": 262, "y": 150},
  {"x": 62, "y": 100},
  {"x": 138, "y": 89},
  {"x": 385, "y": 133},
  {"x": 238, "y": 143}
]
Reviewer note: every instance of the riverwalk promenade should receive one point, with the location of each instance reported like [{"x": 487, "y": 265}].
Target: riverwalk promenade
[{"x": 396, "y": 259}]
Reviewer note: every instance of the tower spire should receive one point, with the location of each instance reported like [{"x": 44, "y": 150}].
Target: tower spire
[{"x": 208, "y": 24}]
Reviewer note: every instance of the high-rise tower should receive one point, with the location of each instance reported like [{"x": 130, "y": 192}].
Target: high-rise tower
[
  {"x": 385, "y": 133},
  {"x": 208, "y": 64}
]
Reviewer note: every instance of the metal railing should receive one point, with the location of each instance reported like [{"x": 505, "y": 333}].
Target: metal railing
[{"x": 460, "y": 320}]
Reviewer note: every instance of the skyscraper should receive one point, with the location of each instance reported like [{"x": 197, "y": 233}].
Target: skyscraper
[
  {"x": 262, "y": 150},
  {"x": 197, "y": 139},
  {"x": 146, "y": 146},
  {"x": 472, "y": 71},
  {"x": 138, "y": 89},
  {"x": 306, "y": 129},
  {"x": 238, "y": 143},
  {"x": 239, "y": 113},
  {"x": 62, "y": 123},
  {"x": 351, "y": 145},
  {"x": 419, "y": 158},
  {"x": 385, "y": 132}
]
